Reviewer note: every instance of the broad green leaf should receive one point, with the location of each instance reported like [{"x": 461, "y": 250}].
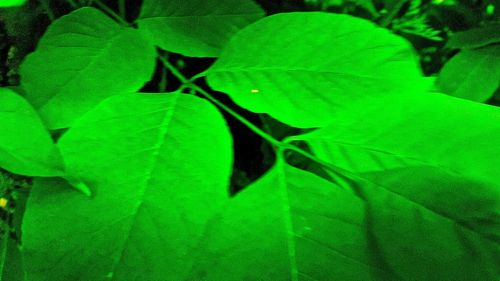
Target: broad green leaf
[
  {"x": 83, "y": 58},
  {"x": 435, "y": 151},
  {"x": 158, "y": 166},
  {"x": 196, "y": 28},
  {"x": 12, "y": 3},
  {"x": 476, "y": 37},
  {"x": 298, "y": 67},
  {"x": 293, "y": 225},
  {"x": 472, "y": 74},
  {"x": 26, "y": 147},
  {"x": 435, "y": 130}
]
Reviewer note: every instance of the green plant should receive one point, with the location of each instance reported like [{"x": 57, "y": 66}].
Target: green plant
[{"x": 398, "y": 182}]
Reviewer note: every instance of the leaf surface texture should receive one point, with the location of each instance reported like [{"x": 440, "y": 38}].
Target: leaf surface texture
[
  {"x": 198, "y": 28},
  {"x": 83, "y": 58},
  {"x": 472, "y": 74},
  {"x": 297, "y": 67},
  {"x": 156, "y": 187},
  {"x": 26, "y": 147}
]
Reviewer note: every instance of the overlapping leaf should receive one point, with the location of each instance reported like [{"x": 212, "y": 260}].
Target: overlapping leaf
[
  {"x": 26, "y": 147},
  {"x": 293, "y": 225},
  {"x": 298, "y": 67},
  {"x": 435, "y": 130},
  {"x": 83, "y": 58},
  {"x": 156, "y": 186},
  {"x": 472, "y": 74},
  {"x": 11, "y": 3},
  {"x": 476, "y": 37},
  {"x": 196, "y": 28},
  {"x": 433, "y": 151}
]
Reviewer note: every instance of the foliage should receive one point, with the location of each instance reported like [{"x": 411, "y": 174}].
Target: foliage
[{"x": 374, "y": 174}]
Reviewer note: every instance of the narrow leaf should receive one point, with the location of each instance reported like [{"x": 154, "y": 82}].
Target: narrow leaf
[
  {"x": 298, "y": 67},
  {"x": 196, "y": 28},
  {"x": 83, "y": 58},
  {"x": 26, "y": 147},
  {"x": 472, "y": 74},
  {"x": 156, "y": 187}
]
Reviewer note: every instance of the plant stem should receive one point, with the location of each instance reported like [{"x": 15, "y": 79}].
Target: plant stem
[
  {"x": 164, "y": 60},
  {"x": 111, "y": 13},
  {"x": 238, "y": 117},
  {"x": 47, "y": 9},
  {"x": 122, "y": 9},
  {"x": 392, "y": 13},
  {"x": 278, "y": 144},
  {"x": 73, "y": 4}
]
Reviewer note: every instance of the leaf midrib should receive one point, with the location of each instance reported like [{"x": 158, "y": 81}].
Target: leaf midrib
[{"x": 169, "y": 114}]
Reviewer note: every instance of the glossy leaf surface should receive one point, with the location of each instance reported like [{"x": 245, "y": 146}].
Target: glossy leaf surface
[
  {"x": 83, "y": 58},
  {"x": 196, "y": 28},
  {"x": 298, "y": 67},
  {"x": 26, "y": 147},
  {"x": 156, "y": 187},
  {"x": 472, "y": 74}
]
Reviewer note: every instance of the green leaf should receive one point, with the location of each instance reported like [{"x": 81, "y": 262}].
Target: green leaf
[
  {"x": 196, "y": 28},
  {"x": 10, "y": 260},
  {"x": 476, "y": 37},
  {"x": 435, "y": 152},
  {"x": 12, "y": 3},
  {"x": 454, "y": 135},
  {"x": 472, "y": 74},
  {"x": 156, "y": 187},
  {"x": 83, "y": 58},
  {"x": 289, "y": 225},
  {"x": 26, "y": 147},
  {"x": 293, "y": 225},
  {"x": 298, "y": 67}
]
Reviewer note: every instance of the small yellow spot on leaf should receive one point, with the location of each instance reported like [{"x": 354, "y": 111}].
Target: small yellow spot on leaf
[
  {"x": 3, "y": 203},
  {"x": 254, "y": 91}
]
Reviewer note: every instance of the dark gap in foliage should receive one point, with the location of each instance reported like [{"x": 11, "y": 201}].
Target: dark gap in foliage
[
  {"x": 282, "y": 6},
  {"x": 4, "y": 51},
  {"x": 14, "y": 190},
  {"x": 253, "y": 156}
]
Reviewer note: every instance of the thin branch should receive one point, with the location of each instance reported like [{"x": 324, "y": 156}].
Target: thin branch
[
  {"x": 73, "y": 4},
  {"x": 111, "y": 13},
  {"x": 122, "y": 9},
  {"x": 46, "y": 7},
  {"x": 392, "y": 13},
  {"x": 276, "y": 143}
]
